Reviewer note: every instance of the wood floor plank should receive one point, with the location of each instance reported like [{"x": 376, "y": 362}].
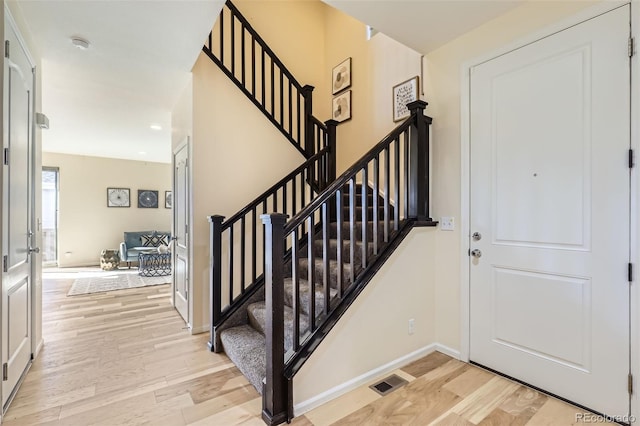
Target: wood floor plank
[
  {"x": 125, "y": 358},
  {"x": 424, "y": 365}
]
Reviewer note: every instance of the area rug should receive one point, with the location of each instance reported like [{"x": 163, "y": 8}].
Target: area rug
[{"x": 114, "y": 280}]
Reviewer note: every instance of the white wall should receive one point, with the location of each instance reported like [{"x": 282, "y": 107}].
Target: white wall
[
  {"x": 86, "y": 225},
  {"x": 403, "y": 289}
]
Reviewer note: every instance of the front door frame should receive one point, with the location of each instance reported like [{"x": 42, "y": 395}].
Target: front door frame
[{"x": 465, "y": 164}]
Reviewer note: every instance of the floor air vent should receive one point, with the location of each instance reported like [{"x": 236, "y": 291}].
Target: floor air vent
[{"x": 388, "y": 384}]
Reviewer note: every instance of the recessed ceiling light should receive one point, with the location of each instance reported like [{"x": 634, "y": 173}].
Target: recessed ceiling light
[
  {"x": 155, "y": 127},
  {"x": 142, "y": 152},
  {"x": 80, "y": 43}
]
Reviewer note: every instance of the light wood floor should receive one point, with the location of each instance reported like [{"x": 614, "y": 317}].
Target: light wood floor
[{"x": 124, "y": 358}]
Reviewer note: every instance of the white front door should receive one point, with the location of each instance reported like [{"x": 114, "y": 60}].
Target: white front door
[
  {"x": 181, "y": 232},
  {"x": 18, "y": 214},
  {"x": 550, "y": 206}
]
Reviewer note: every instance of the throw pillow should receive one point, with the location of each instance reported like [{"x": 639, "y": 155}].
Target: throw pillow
[
  {"x": 149, "y": 241},
  {"x": 163, "y": 239}
]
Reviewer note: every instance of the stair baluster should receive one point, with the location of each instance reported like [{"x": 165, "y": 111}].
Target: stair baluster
[{"x": 258, "y": 72}]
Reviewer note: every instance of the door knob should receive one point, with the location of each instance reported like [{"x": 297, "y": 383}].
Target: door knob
[
  {"x": 34, "y": 249},
  {"x": 476, "y": 236},
  {"x": 476, "y": 253}
]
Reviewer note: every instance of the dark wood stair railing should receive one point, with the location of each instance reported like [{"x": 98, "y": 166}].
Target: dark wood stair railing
[
  {"x": 362, "y": 245},
  {"x": 241, "y": 240},
  {"x": 256, "y": 70}
]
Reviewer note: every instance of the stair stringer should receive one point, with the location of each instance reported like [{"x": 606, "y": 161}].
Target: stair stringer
[{"x": 372, "y": 335}]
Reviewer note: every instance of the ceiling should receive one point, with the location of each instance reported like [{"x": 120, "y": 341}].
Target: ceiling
[
  {"x": 102, "y": 101},
  {"x": 424, "y": 25}
]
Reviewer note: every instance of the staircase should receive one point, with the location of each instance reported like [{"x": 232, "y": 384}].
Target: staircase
[
  {"x": 288, "y": 265},
  {"x": 245, "y": 344}
]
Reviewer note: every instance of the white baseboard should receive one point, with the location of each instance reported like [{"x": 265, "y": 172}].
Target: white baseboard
[
  {"x": 447, "y": 351},
  {"x": 324, "y": 397},
  {"x": 200, "y": 329},
  {"x": 39, "y": 347}
]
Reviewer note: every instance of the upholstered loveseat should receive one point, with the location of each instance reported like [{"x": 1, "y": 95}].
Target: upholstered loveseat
[{"x": 141, "y": 242}]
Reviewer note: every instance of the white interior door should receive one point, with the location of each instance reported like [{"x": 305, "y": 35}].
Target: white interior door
[
  {"x": 18, "y": 215},
  {"x": 550, "y": 203},
  {"x": 181, "y": 230}
]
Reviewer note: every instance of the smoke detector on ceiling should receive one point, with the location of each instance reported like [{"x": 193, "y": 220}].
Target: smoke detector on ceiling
[{"x": 80, "y": 43}]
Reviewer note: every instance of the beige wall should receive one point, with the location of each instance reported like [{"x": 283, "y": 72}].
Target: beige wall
[
  {"x": 86, "y": 225},
  {"x": 443, "y": 71},
  {"x": 402, "y": 290},
  {"x": 303, "y": 54},
  {"x": 236, "y": 155},
  {"x": 377, "y": 65}
]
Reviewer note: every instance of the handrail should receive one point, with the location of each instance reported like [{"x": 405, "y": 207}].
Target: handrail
[
  {"x": 264, "y": 44},
  {"x": 258, "y": 72},
  {"x": 337, "y": 184},
  {"x": 335, "y": 248}
]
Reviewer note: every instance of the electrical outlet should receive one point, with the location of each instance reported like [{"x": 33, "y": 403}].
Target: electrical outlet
[
  {"x": 447, "y": 223},
  {"x": 412, "y": 326}
]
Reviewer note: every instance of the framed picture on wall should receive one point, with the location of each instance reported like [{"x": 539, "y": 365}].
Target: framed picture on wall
[
  {"x": 168, "y": 199},
  {"x": 403, "y": 93},
  {"x": 341, "y": 107},
  {"x": 118, "y": 197},
  {"x": 147, "y": 199},
  {"x": 341, "y": 76}
]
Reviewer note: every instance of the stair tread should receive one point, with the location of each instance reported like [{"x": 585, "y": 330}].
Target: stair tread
[
  {"x": 257, "y": 319},
  {"x": 246, "y": 347},
  {"x": 304, "y": 295}
]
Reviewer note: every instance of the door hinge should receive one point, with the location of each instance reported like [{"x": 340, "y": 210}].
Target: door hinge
[
  {"x": 5, "y": 156},
  {"x": 630, "y": 272},
  {"x": 630, "y": 383},
  {"x": 5, "y": 372},
  {"x": 631, "y": 46},
  {"x": 631, "y": 164},
  {"x": 6, "y": 48},
  {"x": 5, "y": 263}
]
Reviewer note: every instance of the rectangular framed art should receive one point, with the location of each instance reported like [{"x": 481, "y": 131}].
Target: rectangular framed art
[
  {"x": 147, "y": 199},
  {"x": 341, "y": 107},
  {"x": 118, "y": 197},
  {"x": 403, "y": 93},
  {"x": 341, "y": 76},
  {"x": 168, "y": 199}
]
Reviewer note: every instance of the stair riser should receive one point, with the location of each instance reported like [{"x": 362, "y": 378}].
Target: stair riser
[
  {"x": 346, "y": 251},
  {"x": 303, "y": 296},
  {"x": 333, "y": 273},
  {"x": 257, "y": 320},
  {"x": 346, "y": 232}
]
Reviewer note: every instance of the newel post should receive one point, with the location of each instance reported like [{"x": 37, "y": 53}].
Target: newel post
[
  {"x": 331, "y": 163},
  {"x": 215, "y": 291},
  {"x": 419, "y": 163},
  {"x": 307, "y": 93},
  {"x": 331, "y": 143},
  {"x": 275, "y": 396}
]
